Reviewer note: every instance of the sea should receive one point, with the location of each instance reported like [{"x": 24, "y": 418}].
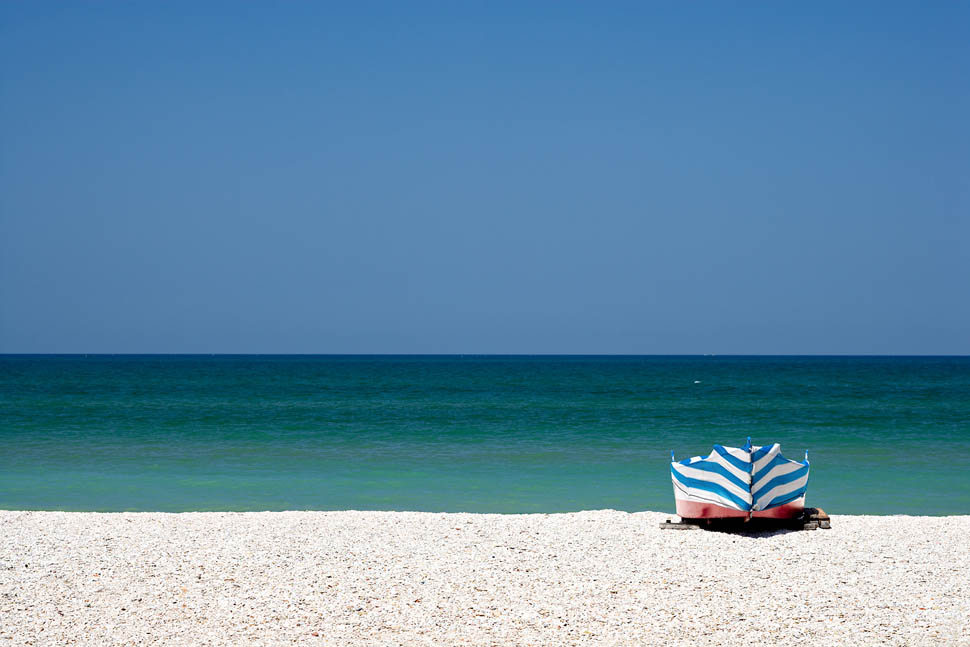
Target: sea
[{"x": 489, "y": 434}]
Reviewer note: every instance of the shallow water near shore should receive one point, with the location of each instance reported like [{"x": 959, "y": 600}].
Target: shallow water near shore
[{"x": 887, "y": 435}]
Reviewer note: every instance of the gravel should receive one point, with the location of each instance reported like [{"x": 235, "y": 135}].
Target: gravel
[{"x": 411, "y": 578}]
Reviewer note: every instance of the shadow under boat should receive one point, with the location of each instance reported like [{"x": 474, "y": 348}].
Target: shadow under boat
[{"x": 809, "y": 519}]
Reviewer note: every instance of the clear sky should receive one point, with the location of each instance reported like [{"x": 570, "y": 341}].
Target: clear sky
[{"x": 485, "y": 177}]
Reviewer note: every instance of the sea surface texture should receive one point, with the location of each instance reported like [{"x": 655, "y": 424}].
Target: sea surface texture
[{"x": 886, "y": 435}]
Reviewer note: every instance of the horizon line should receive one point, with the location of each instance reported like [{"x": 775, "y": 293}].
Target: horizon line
[{"x": 253, "y": 354}]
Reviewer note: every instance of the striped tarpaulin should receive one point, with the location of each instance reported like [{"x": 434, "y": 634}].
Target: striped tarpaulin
[{"x": 748, "y": 478}]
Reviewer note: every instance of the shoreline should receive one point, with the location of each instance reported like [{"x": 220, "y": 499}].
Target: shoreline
[
  {"x": 421, "y": 578},
  {"x": 10, "y": 511}
]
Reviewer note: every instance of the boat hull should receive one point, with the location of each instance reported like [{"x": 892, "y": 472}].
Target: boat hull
[
  {"x": 740, "y": 482},
  {"x": 704, "y": 510}
]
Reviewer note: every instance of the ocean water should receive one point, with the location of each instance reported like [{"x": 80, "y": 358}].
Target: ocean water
[{"x": 886, "y": 435}]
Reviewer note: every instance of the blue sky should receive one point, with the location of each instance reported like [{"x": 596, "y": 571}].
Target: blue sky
[{"x": 485, "y": 178}]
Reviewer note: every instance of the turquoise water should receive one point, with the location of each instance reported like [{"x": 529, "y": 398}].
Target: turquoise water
[{"x": 482, "y": 434}]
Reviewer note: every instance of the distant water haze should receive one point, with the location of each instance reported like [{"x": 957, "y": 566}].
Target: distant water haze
[{"x": 479, "y": 434}]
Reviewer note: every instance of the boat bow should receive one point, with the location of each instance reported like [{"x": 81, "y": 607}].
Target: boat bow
[{"x": 740, "y": 481}]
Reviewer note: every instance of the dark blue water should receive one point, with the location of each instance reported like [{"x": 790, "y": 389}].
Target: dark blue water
[{"x": 483, "y": 434}]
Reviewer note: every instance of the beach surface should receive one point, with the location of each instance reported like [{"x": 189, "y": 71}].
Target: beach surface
[{"x": 410, "y": 578}]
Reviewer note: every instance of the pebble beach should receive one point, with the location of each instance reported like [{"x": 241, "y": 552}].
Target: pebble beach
[{"x": 410, "y": 578}]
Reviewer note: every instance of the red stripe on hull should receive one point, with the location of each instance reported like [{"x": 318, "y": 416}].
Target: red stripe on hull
[{"x": 702, "y": 510}]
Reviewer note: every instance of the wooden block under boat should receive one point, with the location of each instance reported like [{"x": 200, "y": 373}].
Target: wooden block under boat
[{"x": 678, "y": 525}]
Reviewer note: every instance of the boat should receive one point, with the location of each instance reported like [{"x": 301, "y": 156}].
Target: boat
[{"x": 732, "y": 482}]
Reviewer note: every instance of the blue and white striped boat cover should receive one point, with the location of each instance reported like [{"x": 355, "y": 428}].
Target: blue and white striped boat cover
[{"x": 745, "y": 478}]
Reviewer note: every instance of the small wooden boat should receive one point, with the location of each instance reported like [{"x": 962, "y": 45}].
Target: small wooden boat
[{"x": 749, "y": 481}]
